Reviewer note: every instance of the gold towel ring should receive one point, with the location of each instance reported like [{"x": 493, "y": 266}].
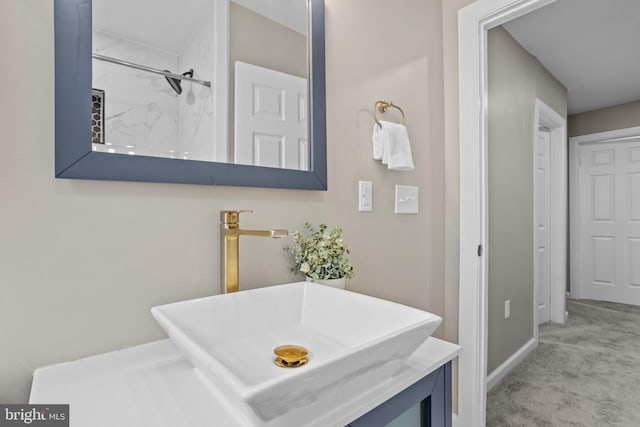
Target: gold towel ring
[{"x": 382, "y": 106}]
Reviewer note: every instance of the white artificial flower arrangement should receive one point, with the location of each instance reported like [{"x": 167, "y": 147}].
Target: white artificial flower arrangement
[{"x": 321, "y": 255}]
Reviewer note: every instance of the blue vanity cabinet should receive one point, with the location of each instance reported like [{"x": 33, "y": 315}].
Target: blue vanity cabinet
[{"x": 432, "y": 393}]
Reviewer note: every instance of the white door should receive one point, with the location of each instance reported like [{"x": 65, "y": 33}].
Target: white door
[
  {"x": 609, "y": 233},
  {"x": 270, "y": 125},
  {"x": 542, "y": 218}
]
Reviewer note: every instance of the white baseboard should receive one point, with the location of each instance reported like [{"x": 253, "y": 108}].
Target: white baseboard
[
  {"x": 454, "y": 420},
  {"x": 501, "y": 371}
]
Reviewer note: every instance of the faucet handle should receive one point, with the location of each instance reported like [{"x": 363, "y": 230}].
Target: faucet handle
[{"x": 232, "y": 217}]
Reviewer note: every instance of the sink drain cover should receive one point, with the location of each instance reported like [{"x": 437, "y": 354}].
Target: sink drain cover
[{"x": 290, "y": 356}]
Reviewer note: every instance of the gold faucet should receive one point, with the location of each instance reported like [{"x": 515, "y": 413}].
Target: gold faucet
[{"x": 230, "y": 232}]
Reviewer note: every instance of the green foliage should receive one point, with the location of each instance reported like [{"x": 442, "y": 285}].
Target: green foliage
[{"x": 321, "y": 254}]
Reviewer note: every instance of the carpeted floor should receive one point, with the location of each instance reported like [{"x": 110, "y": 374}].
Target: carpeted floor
[{"x": 585, "y": 373}]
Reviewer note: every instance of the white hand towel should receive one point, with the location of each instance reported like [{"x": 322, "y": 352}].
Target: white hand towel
[
  {"x": 396, "y": 148},
  {"x": 378, "y": 142}
]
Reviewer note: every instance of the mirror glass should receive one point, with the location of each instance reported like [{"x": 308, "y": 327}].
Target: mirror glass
[{"x": 206, "y": 80}]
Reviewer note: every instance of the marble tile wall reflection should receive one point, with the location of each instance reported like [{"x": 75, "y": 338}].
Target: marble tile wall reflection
[
  {"x": 196, "y": 106},
  {"x": 140, "y": 107},
  {"x": 143, "y": 114}
]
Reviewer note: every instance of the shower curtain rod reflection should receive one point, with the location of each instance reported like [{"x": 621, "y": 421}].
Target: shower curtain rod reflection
[{"x": 149, "y": 69}]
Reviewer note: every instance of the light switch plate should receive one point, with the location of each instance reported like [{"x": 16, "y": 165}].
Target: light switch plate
[
  {"x": 406, "y": 199},
  {"x": 365, "y": 196}
]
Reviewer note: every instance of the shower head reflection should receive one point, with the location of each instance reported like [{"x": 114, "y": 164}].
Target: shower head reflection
[{"x": 175, "y": 83}]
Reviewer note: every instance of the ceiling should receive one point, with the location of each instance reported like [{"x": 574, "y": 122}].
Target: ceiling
[
  {"x": 165, "y": 24},
  {"x": 169, "y": 24},
  {"x": 591, "y": 46}
]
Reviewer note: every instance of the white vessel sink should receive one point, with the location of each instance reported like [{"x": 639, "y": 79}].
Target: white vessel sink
[{"x": 354, "y": 342}]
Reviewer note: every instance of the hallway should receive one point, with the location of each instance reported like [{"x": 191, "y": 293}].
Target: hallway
[{"x": 585, "y": 373}]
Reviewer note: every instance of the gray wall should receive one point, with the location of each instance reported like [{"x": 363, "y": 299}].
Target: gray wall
[
  {"x": 515, "y": 80},
  {"x": 82, "y": 262},
  {"x": 605, "y": 119}
]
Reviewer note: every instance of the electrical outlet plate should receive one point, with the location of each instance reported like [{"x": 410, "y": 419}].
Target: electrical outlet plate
[
  {"x": 365, "y": 196},
  {"x": 406, "y": 199},
  {"x": 507, "y": 309}
]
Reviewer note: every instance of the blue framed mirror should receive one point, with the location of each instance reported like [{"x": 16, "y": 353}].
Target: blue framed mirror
[{"x": 81, "y": 110}]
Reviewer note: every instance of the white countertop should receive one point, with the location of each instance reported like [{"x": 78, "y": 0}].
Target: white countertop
[{"x": 154, "y": 385}]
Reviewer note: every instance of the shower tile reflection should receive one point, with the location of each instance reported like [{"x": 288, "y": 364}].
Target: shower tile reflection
[{"x": 145, "y": 116}]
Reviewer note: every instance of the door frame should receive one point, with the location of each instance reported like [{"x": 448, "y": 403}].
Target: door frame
[
  {"x": 575, "y": 144},
  {"x": 474, "y": 21},
  {"x": 544, "y": 115}
]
